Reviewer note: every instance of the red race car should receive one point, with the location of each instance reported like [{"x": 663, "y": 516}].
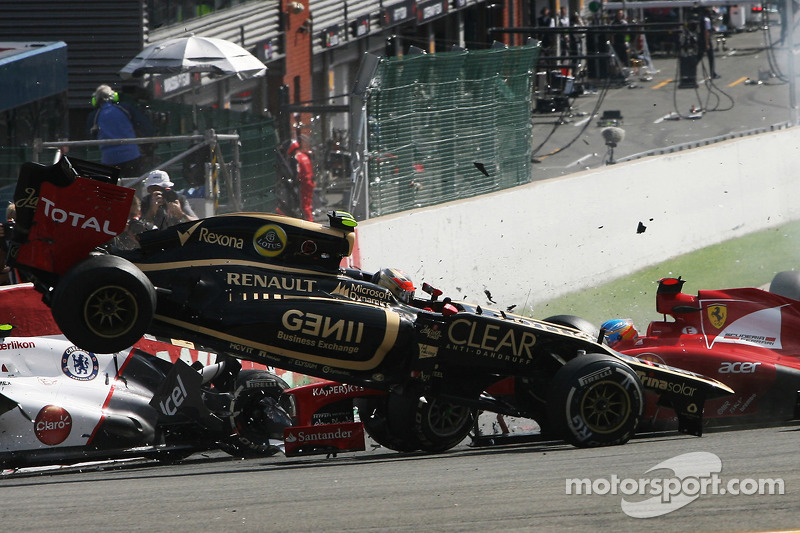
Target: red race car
[{"x": 748, "y": 338}]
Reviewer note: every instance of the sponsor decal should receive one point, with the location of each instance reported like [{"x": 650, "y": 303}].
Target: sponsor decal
[
  {"x": 308, "y": 248},
  {"x": 491, "y": 340},
  {"x": 363, "y": 293},
  {"x": 652, "y": 382},
  {"x": 347, "y": 436},
  {"x": 183, "y": 236},
  {"x": 269, "y": 240},
  {"x": 336, "y": 390},
  {"x": 739, "y": 367},
  {"x": 717, "y": 314},
  {"x": 737, "y": 407},
  {"x": 689, "y": 330},
  {"x": 432, "y": 332},
  {"x": 427, "y": 351},
  {"x": 220, "y": 239},
  {"x": 594, "y": 376},
  {"x": 17, "y": 345},
  {"x": 175, "y": 399},
  {"x": 329, "y": 333},
  {"x": 79, "y": 364},
  {"x": 52, "y": 425},
  {"x": 267, "y": 281},
  {"x": 759, "y": 328},
  {"x": 74, "y": 219}
]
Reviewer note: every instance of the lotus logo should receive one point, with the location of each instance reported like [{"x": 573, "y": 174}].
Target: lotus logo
[{"x": 269, "y": 240}]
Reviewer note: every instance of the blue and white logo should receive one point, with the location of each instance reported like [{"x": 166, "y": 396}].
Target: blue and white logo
[{"x": 79, "y": 364}]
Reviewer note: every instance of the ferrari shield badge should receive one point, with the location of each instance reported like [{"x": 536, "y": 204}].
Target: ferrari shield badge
[{"x": 717, "y": 314}]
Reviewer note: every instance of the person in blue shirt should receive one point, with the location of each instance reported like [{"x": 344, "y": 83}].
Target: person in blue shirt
[{"x": 112, "y": 119}]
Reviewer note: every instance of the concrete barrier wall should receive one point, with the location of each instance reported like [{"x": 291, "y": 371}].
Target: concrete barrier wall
[{"x": 542, "y": 240}]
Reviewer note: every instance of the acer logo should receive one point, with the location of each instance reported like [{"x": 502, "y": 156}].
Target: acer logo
[
  {"x": 76, "y": 220},
  {"x": 738, "y": 368},
  {"x": 176, "y": 398}
]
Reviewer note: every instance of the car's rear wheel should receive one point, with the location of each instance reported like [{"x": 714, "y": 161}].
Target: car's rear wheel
[
  {"x": 388, "y": 420},
  {"x": 786, "y": 284},
  {"x": 104, "y": 304},
  {"x": 257, "y": 417},
  {"x": 440, "y": 425},
  {"x": 595, "y": 400},
  {"x": 575, "y": 322}
]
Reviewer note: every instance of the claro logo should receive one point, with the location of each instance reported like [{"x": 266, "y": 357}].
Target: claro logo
[
  {"x": 52, "y": 425},
  {"x": 76, "y": 220}
]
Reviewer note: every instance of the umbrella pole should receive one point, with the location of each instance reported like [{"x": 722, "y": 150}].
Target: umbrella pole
[{"x": 194, "y": 109}]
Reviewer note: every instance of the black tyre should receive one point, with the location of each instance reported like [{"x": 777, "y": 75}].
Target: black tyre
[
  {"x": 104, "y": 304},
  {"x": 389, "y": 421},
  {"x": 786, "y": 284},
  {"x": 595, "y": 400},
  {"x": 575, "y": 322},
  {"x": 257, "y": 416},
  {"x": 440, "y": 425}
]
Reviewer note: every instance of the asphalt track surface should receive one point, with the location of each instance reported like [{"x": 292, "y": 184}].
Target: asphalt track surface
[
  {"x": 519, "y": 487},
  {"x": 752, "y": 93}
]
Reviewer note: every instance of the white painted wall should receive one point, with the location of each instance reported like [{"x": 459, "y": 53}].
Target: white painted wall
[{"x": 539, "y": 241}]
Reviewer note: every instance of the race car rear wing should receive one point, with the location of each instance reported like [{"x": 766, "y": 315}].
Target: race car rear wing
[{"x": 64, "y": 211}]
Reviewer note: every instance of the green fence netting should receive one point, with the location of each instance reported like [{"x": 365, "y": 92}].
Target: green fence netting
[
  {"x": 433, "y": 117},
  {"x": 258, "y": 141}
]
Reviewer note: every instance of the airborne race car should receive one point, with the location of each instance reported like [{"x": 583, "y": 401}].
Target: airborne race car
[
  {"x": 270, "y": 289},
  {"x": 745, "y": 337}
]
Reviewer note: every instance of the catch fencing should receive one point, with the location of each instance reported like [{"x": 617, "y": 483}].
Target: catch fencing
[{"x": 447, "y": 126}]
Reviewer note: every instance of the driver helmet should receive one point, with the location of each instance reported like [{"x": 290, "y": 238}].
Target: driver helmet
[
  {"x": 397, "y": 282},
  {"x": 619, "y": 330}
]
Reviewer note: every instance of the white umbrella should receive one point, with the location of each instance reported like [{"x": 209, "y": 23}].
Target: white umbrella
[{"x": 194, "y": 54}]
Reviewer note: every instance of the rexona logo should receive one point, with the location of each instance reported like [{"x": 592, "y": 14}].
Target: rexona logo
[
  {"x": 220, "y": 239},
  {"x": 52, "y": 425},
  {"x": 269, "y": 240},
  {"x": 76, "y": 220}
]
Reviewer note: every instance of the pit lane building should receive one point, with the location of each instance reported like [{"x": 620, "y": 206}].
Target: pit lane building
[{"x": 311, "y": 47}]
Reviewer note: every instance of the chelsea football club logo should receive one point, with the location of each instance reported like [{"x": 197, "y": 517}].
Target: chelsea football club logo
[{"x": 79, "y": 364}]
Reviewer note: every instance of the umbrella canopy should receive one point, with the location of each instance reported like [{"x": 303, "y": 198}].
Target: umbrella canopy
[{"x": 194, "y": 54}]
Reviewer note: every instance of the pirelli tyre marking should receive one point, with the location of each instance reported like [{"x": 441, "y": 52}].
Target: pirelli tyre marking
[{"x": 257, "y": 350}]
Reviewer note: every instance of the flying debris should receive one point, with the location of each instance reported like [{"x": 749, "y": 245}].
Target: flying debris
[
  {"x": 489, "y": 296},
  {"x": 641, "y": 228}
]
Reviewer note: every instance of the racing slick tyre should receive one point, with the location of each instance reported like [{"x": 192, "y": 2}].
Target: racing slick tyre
[
  {"x": 595, "y": 400},
  {"x": 440, "y": 425},
  {"x": 104, "y": 304},
  {"x": 575, "y": 322},
  {"x": 786, "y": 284},
  {"x": 388, "y": 420},
  {"x": 256, "y": 415}
]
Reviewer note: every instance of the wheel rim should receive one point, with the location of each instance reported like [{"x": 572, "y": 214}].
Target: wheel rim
[
  {"x": 605, "y": 407},
  {"x": 447, "y": 419},
  {"x": 111, "y": 311}
]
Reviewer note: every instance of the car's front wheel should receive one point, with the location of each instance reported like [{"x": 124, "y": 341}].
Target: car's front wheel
[
  {"x": 104, "y": 304},
  {"x": 440, "y": 425},
  {"x": 595, "y": 400}
]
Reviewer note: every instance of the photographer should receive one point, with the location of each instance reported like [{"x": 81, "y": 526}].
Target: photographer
[
  {"x": 163, "y": 206},
  {"x": 129, "y": 238}
]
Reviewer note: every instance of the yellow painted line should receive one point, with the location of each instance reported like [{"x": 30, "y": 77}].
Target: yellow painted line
[
  {"x": 660, "y": 85},
  {"x": 737, "y": 82}
]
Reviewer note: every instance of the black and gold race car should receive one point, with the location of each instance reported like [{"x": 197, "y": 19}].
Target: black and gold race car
[{"x": 270, "y": 289}]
